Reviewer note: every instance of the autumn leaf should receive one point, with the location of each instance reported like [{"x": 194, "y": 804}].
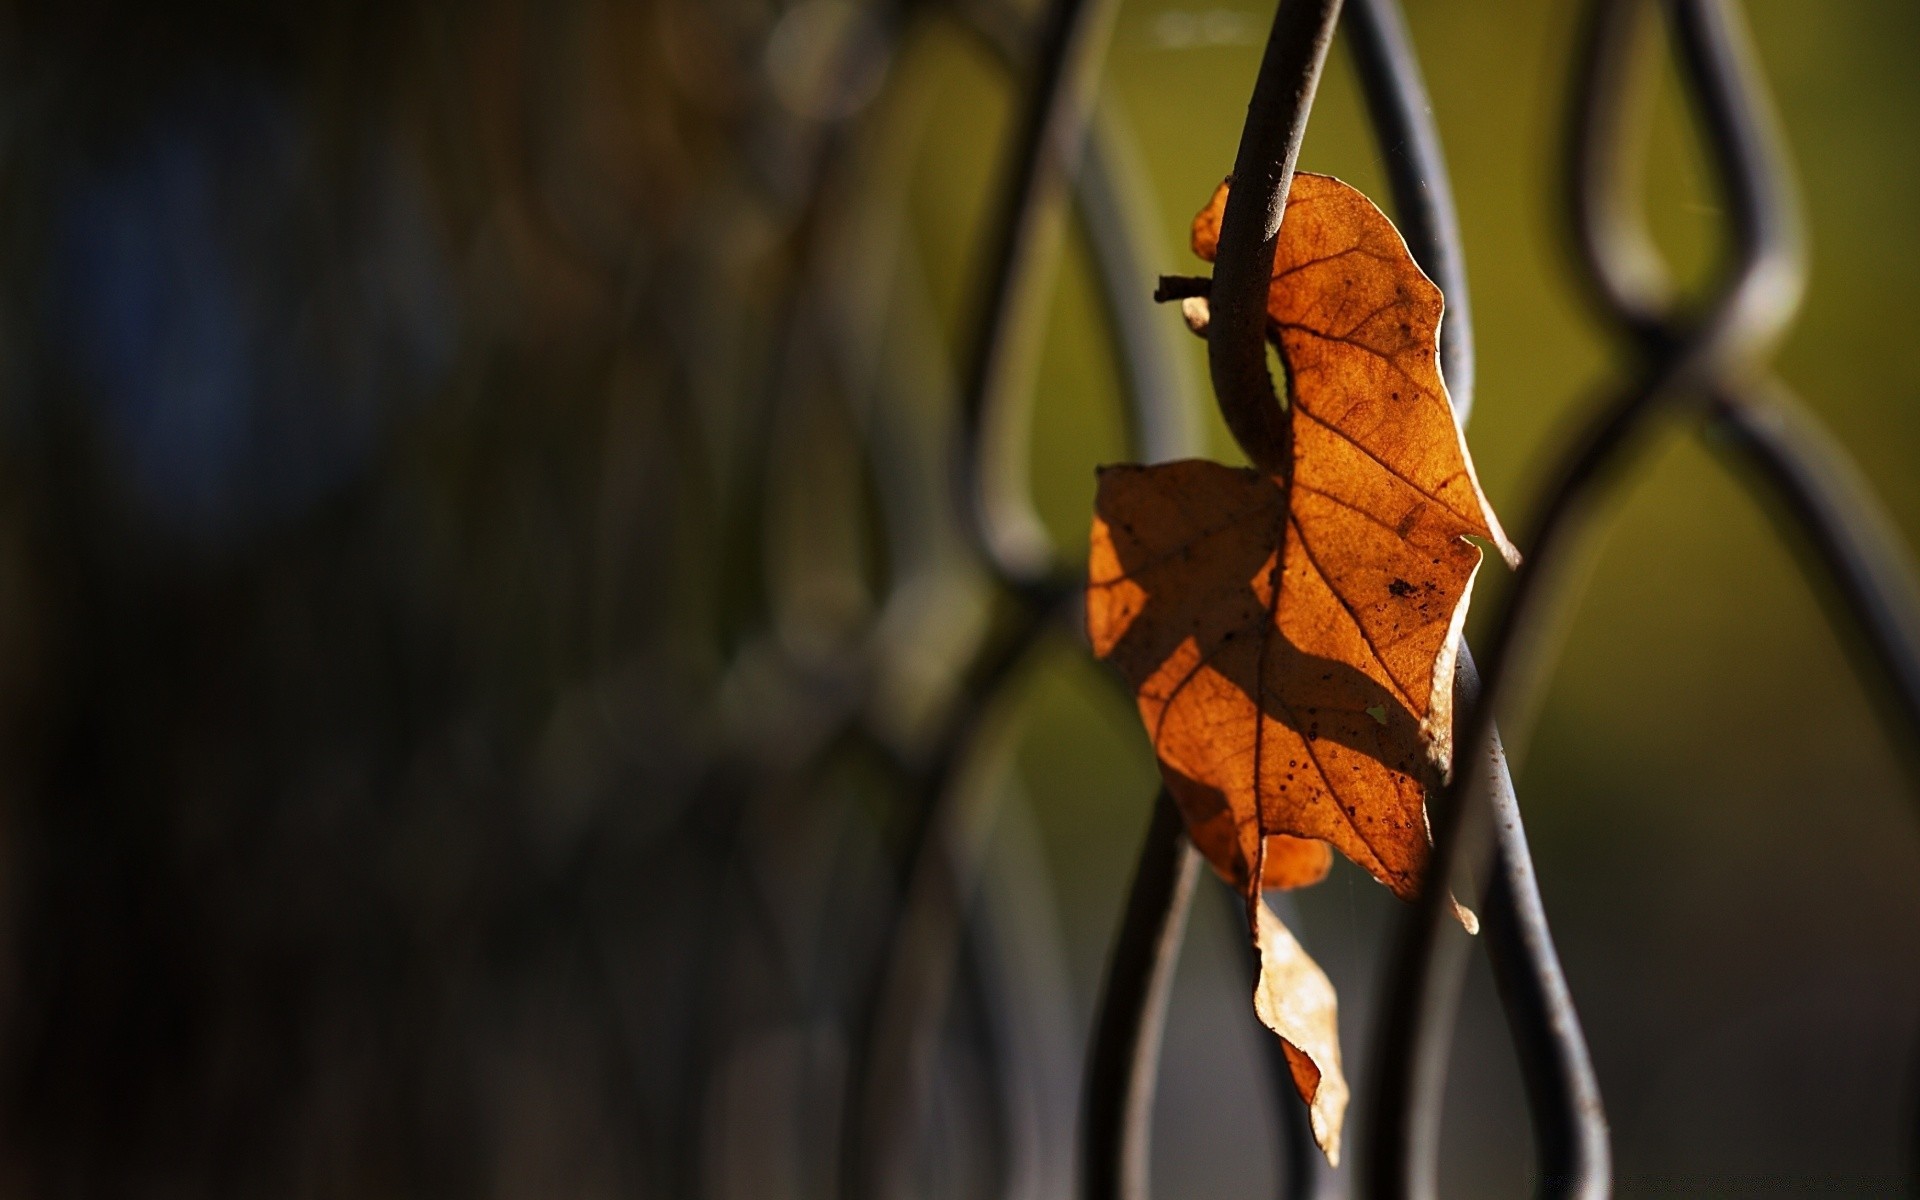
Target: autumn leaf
[
  {"x": 1295, "y": 999},
  {"x": 1290, "y": 638}
]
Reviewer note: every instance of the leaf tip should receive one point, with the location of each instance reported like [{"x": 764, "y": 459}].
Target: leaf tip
[
  {"x": 1468, "y": 921},
  {"x": 1295, "y": 999}
]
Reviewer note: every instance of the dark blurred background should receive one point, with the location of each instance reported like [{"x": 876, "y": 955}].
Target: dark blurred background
[{"x": 478, "y": 588}]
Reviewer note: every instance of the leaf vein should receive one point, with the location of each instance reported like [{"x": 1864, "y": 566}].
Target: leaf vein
[
  {"x": 1386, "y": 466},
  {"x": 1359, "y": 627}
]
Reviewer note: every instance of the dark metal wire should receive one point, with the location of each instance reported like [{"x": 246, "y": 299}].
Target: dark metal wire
[
  {"x": 1428, "y": 961},
  {"x": 1114, "y": 200},
  {"x": 1827, "y": 509},
  {"x": 1123, "y": 1063},
  {"x": 1045, "y": 152},
  {"x": 1572, "y": 1154},
  {"x": 892, "y": 1073},
  {"x": 1570, "y": 1137},
  {"x": 899, "y": 1043},
  {"x": 1695, "y": 363},
  {"x": 1705, "y": 359},
  {"x": 1538, "y": 999},
  {"x": 1402, "y": 120},
  {"x": 1250, "y": 228}
]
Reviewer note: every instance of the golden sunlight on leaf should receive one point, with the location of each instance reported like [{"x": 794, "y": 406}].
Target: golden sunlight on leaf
[{"x": 1290, "y": 640}]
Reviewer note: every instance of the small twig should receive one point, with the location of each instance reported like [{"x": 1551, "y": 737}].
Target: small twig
[{"x": 1181, "y": 287}]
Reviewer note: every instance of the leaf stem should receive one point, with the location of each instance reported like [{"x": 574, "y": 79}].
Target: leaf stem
[{"x": 1181, "y": 287}]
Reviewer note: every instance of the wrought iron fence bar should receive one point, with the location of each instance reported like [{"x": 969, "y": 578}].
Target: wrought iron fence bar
[
  {"x": 1624, "y": 269},
  {"x": 1687, "y": 362},
  {"x": 1429, "y": 953},
  {"x": 820, "y": 190},
  {"x": 897, "y": 1041},
  {"x": 1831, "y": 512},
  {"x": 1114, "y": 200},
  {"x": 1572, "y": 1153},
  {"x": 1573, "y": 1156},
  {"x": 1759, "y": 290},
  {"x": 1767, "y": 278},
  {"x": 1061, "y": 76},
  {"x": 1429, "y": 956},
  {"x": 1403, "y": 125},
  {"x": 1833, "y": 516},
  {"x": 1570, "y": 1130},
  {"x": 1123, "y": 1062},
  {"x": 900, "y": 1040},
  {"x": 1250, "y": 227},
  {"x": 817, "y": 175},
  {"x": 939, "y": 944}
]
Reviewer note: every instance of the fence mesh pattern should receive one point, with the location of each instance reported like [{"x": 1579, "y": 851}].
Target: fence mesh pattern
[{"x": 531, "y": 606}]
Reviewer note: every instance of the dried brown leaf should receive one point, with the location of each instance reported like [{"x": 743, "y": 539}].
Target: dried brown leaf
[
  {"x": 1290, "y": 640},
  {"x": 1295, "y": 999}
]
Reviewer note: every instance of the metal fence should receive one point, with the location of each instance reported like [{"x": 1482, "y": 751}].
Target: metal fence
[{"x": 927, "y": 985}]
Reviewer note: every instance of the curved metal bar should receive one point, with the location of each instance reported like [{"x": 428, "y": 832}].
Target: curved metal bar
[
  {"x": 1116, "y": 201},
  {"x": 1123, "y": 1065},
  {"x": 1250, "y": 228},
  {"x": 820, "y": 178},
  {"x": 1844, "y": 528},
  {"x": 1572, "y": 1151},
  {"x": 892, "y": 1070},
  {"x": 1403, "y": 126},
  {"x": 1428, "y": 956},
  {"x": 1623, "y": 267},
  {"x": 1764, "y": 285},
  {"x": 1569, "y": 1120},
  {"x": 898, "y": 1053},
  {"x": 744, "y": 522},
  {"x": 1053, "y": 121},
  {"x": 1759, "y": 291},
  {"x": 1832, "y": 516},
  {"x": 888, "y": 1093},
  {"x": 897, "y": 1057},
  {"x": 1746, "y": 310}
]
